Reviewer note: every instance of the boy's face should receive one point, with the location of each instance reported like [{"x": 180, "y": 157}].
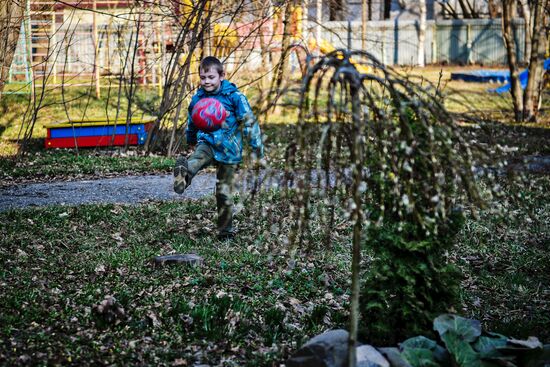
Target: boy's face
[{"x": 210, "y": 79}]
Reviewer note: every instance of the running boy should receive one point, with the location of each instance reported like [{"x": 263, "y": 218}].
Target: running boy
[{"x": 222, "y": 147}]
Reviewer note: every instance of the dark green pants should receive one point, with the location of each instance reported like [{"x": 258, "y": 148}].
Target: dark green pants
[{"x": 225, "y": 173}]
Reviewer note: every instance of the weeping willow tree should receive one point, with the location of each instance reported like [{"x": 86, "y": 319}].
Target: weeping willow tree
[{"x": 382, "y": 151}]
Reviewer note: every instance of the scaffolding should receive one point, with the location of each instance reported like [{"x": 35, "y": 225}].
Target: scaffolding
[{"x": 20, "y": 72}]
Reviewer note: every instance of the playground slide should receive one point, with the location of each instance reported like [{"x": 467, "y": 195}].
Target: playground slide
[{"x": 522, "y": 79}]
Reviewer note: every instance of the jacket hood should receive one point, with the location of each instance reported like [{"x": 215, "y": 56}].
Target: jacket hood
[{"x": 226, "y": 88}]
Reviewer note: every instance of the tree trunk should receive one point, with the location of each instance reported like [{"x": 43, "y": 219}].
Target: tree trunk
[
  {"x": 357, "y": 157},
  {"x": 319, "y": 20},
  {"x": 508, "y": 35},
  {"x": 539, "y": 41},
  {"x": 370, "y": 8},
  {"x": 285, "y": 44},
  {"x": 528, "y": 28},
  {"x": 421, "y": 32},
  {"x": 11, "y": 18},
  {"x": 387, "y": 9},
  {"x": 364, "y": 18}
]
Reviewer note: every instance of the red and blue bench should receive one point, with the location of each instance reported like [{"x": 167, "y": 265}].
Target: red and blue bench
[{"x": 97, "y": 133}]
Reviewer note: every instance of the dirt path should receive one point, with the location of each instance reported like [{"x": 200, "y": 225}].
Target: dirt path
[{"x": 127, "y": 189}]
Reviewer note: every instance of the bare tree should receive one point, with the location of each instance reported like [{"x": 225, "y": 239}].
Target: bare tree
[
  {"x": 364, "y": 19},
  {"x": 379, "y": 147},
  {"x": 539, "y": 41},
  {"x": 526, "y": 103}
]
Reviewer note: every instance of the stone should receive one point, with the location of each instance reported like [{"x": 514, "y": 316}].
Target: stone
[
  {"x": 185, "y": 259},
  {"x": 393, "y": 355},
  {"x": 329, "y": 349},
  {"x": 368, "y": 356}
]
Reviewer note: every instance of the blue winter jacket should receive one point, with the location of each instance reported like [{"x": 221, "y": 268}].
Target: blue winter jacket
[{"x": 227, "y": 142}]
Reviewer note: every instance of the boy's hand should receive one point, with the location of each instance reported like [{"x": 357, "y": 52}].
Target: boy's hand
[{"x": 257, "y": 153}]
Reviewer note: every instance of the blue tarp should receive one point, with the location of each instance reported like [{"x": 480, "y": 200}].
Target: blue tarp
[
  {"x": 523, "y": 76},
  {"x": 482, "y": 76},
  {"x": 495, "y": 76}
]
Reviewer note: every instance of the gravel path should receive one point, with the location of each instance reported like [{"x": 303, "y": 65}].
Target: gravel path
[
  {"x": 138, "y": 189},
  {"x": 127, "y": 189}
]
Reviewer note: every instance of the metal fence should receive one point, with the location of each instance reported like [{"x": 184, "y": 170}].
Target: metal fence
[
  {"x": 69, "y": 48},
  {"x": 473, "y": 41}
]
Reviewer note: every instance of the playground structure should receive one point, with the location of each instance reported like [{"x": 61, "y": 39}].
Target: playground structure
[
  {"x": 94, "y": 41},
  {"x": 62, "y": 45}
]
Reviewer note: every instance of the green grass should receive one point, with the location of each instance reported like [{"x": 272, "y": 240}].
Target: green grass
[
  {"x": 506, "y": 257},
  {"x": 62, "y": 164},
  {"x": 58, "y": 263},
  {"x": 244, "y": 306}
]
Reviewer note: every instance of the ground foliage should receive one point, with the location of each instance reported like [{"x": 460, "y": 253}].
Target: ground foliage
[
  {"x": 464, "y": 343},
  {"x": 43, "y": 166},
  {"x": 496, "y": 251},
  {"x": 60, "y": 264},
  {"x": 245, "y": 306},
  {"x": 409, "y": 281}
]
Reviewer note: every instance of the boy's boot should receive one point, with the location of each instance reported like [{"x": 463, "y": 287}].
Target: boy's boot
[
  {"x": 226, "y": 231},
  {"x": 181, "y": 177},
  {"x": 224, "y": 200}
]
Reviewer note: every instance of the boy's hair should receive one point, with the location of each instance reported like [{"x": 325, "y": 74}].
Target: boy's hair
[{"x": 211, "y": 62}]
